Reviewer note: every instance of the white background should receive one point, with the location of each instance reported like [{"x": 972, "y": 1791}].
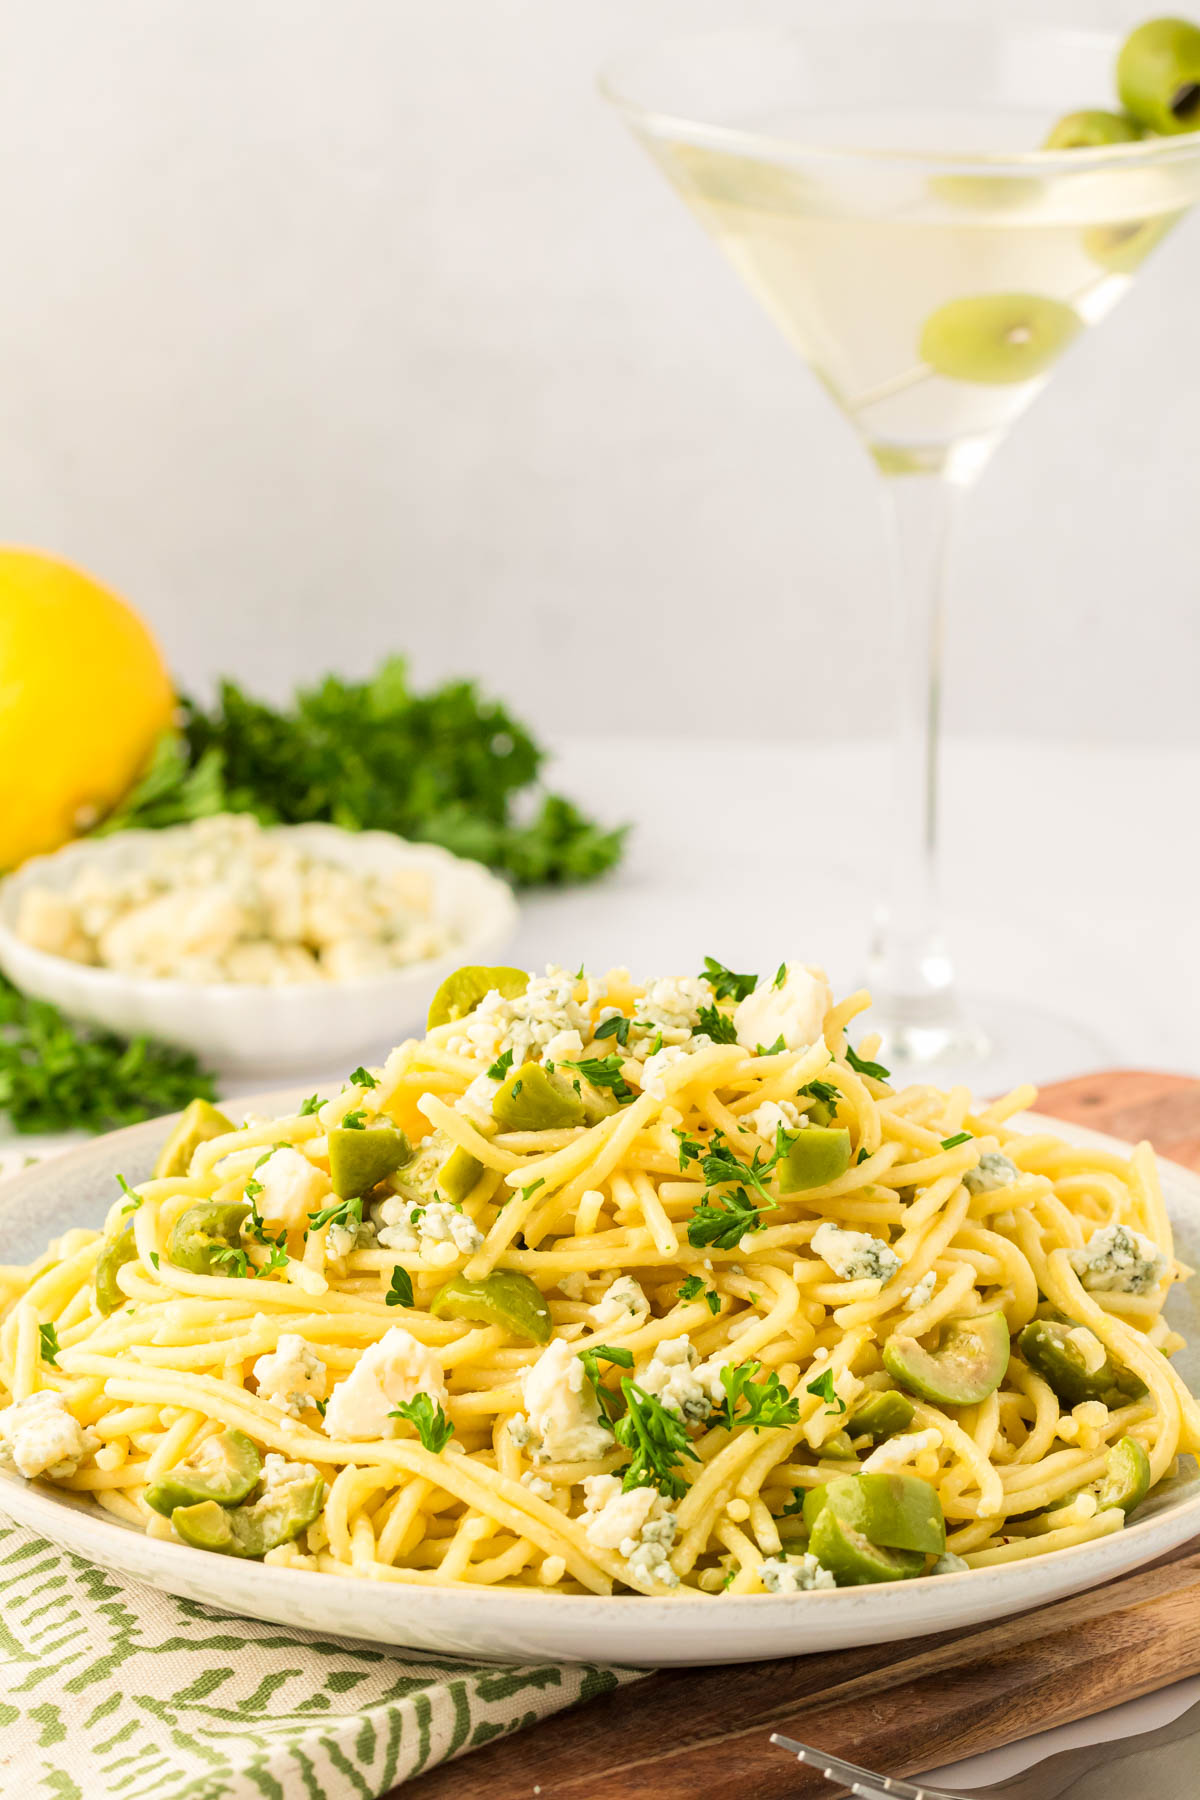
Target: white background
[{"x": 336, "y": 326}]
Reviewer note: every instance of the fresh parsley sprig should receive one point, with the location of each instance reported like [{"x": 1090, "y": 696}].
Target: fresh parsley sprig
[
  {"x": 767, "y": 1402},
  {"x": 721, "y": 1224},
  {"x": 431, "y": 1424},
  {"x": 604, "y": 1072},
  {"x": 615, "y": 1026},
  {"x": 657, "y": 1439},
  {"x": 400, "y": 1293},
  {"x": 619, "y": 1358},
  {"x": 718, "y": 1025},
  {"x": 862, "y": 1066},
  {"x": 724, "y": 983}
]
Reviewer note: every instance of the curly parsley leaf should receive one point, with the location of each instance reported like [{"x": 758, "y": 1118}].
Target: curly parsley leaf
[
  {"x": 619, "y": 1358},
  {"x": 766, "y": 1402},
  {"x": 657, "y": 1439},
  {"x": 724, "y": 983},
  {"x": 723, "y": 1223},
  {"x": 718, "y": 1025},
  {"x": 432, "y": 1426},
  {"x": 448, "y": 767}
]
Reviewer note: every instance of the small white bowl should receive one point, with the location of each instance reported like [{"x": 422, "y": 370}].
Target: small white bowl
[{"x": 239, "y": 1028}]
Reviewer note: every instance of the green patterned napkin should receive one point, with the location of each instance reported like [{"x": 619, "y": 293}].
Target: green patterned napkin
[{"x": 109, "y": 1688}]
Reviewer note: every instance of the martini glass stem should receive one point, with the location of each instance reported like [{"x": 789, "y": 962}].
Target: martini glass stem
[{"x": 911, "y": 972}]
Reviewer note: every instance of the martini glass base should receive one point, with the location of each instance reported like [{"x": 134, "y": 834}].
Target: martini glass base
[{"x": 989, "y": 1042}]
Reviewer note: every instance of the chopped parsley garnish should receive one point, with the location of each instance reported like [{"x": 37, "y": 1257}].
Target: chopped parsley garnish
[
  {"x": 862, "y": 1066},
  {"x": 823, "y": 1387},
  {"x": 340, "y": 1212},
  {"x": 254, "y": 1188},
  {"x": 775, "y": 1049},
  {"x": 605, "y": 1072},
  {"x": 533, "y": 1187},
  {"x": 820, "y": 1090},
  {"x": 693, "y": 1288},
  {"x": 616, "y": 1026},
  {"x": 432, "y": 1426},
  {"x": 320, "y": 1406},
  {"x": 154, "y": 1258},
  {"x": 133, "y": 1201},
  {"x": 780, "y": 976},
  {"x": 355, "y": 1121},
  {"x": 313, "y": 1104},
  {"x": 718, "y": 1025},
  {"x": 657, "y": 1439},
  {"x": 863, "y": 1154},
  {"x": 516, "y": 1088},
  {"x": 724, "y": 983},
  {"x": 724, "y": 1223},
  {"x": 361, "y": 1078},
  {"x": 276, "y": 1256},
  {"x": 620, "y": 1358},
  {"x": 235, "y": 1263},
  {"x": 961, "y": 1137},
  {"x": 501, "y": 1066},
  {"x": 400, "y": 1293},
  {"x": 48, "y": 1335},
  {"x": 767, "y": 1402},
  {"x": 795, "y": 1504},
  {"x": 719, "y": 1165}
]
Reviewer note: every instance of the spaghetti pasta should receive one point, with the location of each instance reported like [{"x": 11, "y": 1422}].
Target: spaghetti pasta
[{"x": 639, "y": 1296}]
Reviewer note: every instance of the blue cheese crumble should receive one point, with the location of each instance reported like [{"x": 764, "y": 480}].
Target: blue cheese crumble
[
  {"x": 1116, "y": 1260},
  {"x": 794, "y": 1574},
  {"x": 993, "y": 1170},
  {"x": 854, "y": 1255}
]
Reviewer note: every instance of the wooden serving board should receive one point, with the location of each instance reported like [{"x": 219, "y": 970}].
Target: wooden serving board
[{"x": 900, "y": 1708}]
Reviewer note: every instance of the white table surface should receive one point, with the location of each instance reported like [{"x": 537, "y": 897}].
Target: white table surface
[{"x": 1071, "y": 878}]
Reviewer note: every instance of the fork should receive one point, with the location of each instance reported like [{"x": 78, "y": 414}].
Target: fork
[{"x": 863, "y": 1782}]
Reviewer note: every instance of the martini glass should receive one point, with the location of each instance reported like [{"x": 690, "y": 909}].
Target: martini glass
[{"x": 880, "y": 189}]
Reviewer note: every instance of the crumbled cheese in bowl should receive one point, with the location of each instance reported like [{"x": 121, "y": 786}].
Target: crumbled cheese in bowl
[{"x": 226, "y": 900}]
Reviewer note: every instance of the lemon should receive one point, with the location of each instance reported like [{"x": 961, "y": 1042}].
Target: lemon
[{"x": 84, "y": 696}]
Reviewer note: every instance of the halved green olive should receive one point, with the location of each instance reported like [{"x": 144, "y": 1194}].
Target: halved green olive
[
  {"x": 997, "y": 339},
  {"x": 815, "y": 1156},
  {"x": 204, "y": 1232},
  {"x": 838, "y": 1448},
  {"x": 359, "y": 1160},
  {"x": 459, "y": 1174},
  {"x": 882, "y": 1415},
  {"x": 967, "y": 1365},
  {"x": 530, "y": 1099},
  {"x": 1125, "y": 245},
  {"x": 118, "y": 1251},
  {"x": 196, "y": 1124},
  {"x": 223, "y": 1469},
  {"x": 1126, "y": 1479},
  {"x": 280, "y": 1515},
  {"x": 505, "y": 1297},
  {"x": 1050, "y": 1351},
  {"x": 1090, "y": 129},
  {"x": 1158, "y": 75},
  {"x": 461, "y": 992},
  {"x": 853, "y": 1560},
  {"x": 899, "y": 1512}
]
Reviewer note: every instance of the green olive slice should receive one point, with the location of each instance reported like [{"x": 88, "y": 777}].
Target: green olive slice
[
  {"x": 1158, "y": 75},
  {"x": 1091, "y": 129},
  {"x": 359, "y": 1160},
  {"x": 505, "y": 1297},
  {"x": 1050, "y": 1351},
  {"x": 196, "y": 1124},
  {"x": 280, "y": 1515},
  {"x": 223, "y": 1469},
  {"x": 1126, "y": 1479},
  {"x": 838, "y": 1448},
  {"x": 459, "y": 1174},
  {"x": 204, "y": 1232},
  {"x": 118, "y": 1250},
  {"x": 882, "y": 1415},
  {"x": 997, "y": 339},
  {"x": 814, "y": 1157},
  {"x": 531, "y": 1099},
  {"x": 899, "y": 1512},
  {"x": 967, "y": 1365},
  {"x": 853, "y": 1560},
  {"x": 461, "y": 992}
]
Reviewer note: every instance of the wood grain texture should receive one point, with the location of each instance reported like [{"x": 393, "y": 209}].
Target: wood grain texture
[{"x": 900, "y": 1708}]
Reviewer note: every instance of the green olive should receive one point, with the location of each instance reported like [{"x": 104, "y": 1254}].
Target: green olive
[
  {"x": 815, "y": 1156},
  {"x": 967, "y": 1365},
  {"x": 899, "y": 1512},
  {"x": 118, "y": 1250},
  {"x": 196, "y": 1124},
  {"x": 504, "y": 1297},
  {"x": 530, "y": 1099},
  {"x": 459, "y": 1174},
  {"x": 997, "y": 339},
  {"x": 838, "y": 1448},
  {"x": 1124, "y": 246},
  {"x": 280, "y": 1515},
  {"x": 1047, "y": 1347},
  {"x": 1126, "y": 1479},
  {"x": 882, "y": 1415},
  {"x": 359, "y": 1160},
  {"x": 461, "y": 992},
  {"x": 814, "y": 1503},
  {"x": 223, "y": 1469},
  {"x": 1091, "y": 129},
  {"x": 204, "y": 1231},
  {"x": 1158, "y": 75},
  {"x": 853, "y": 1560}
]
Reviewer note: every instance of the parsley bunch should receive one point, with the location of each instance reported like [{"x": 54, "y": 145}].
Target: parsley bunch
[
  {"x": 59, "y": 1076},
  {"x": 766, "y": 1402},
  {"x": 447, "y": 767},
  {"x": 658, "y": 1440}
]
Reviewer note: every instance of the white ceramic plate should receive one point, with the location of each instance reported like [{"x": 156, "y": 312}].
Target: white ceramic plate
[
  {"x": 241, "y": 1028},
  {"x": 75, "y": 1189}
]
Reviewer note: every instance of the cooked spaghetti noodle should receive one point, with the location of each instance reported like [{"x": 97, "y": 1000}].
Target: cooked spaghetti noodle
[{"x": 742, "y": 1329}]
